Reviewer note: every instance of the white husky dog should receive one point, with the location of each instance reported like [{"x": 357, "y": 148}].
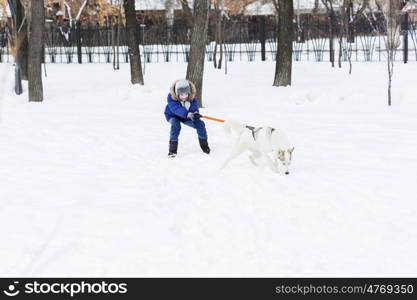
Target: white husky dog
[{"x": 261, "y": 141}]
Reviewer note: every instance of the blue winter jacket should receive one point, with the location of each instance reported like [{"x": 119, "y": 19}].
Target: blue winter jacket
[{"x": 175, "y": 109}]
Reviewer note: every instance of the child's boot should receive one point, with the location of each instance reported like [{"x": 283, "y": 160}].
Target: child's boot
[
  {"x": 173, "y": 146},
  {"x": 204, "y": 145}
]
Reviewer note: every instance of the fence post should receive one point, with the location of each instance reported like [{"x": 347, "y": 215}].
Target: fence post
[
  {"x": 262, "y": 35},
  {"x": 78, "y": 38},
  {"x": 405, "y": 37}
]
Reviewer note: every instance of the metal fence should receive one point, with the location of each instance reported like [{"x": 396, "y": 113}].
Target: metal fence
[{"x": 242, "y": 41}]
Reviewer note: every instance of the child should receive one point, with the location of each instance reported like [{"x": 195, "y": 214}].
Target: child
[{"x": 182, "y": 107}]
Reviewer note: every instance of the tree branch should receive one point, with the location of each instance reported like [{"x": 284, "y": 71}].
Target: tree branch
[
  {"x": 275, "y": 2},
  {"x": 69, "y": 12},
  {"x": 81, "y": 10}
]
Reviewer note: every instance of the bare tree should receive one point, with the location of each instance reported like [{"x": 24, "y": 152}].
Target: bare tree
[
  {"x": 17, "y": 40},
  {"x": 332, "y": 23},
  {"x": 219, "y": 12},
  {"x": 283, "y": 67},
  {"x": 343, "y": 33},
  {"x": 22, "y": 51},
  {"x": 391, "y": 10},
  {"x": 349, "y": 17},
  {"x": 136, "y": 75},
  {"x": 36, "y": 26},
  {"x": 195, "y": 68},
  {"x": 116, "y": 24}
]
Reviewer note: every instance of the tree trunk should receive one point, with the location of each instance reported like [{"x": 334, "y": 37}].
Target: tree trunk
[
  {"x": 216, "y": 33},
  {"x": 343, "y": 23},
  {"x": 392, "y": 11},
  {"x": 218, "y": 36},
  {"x": 22, "y": 50},
  {"x": 115, "y": 41},
  {"x": 78, "y": 39},
  {"x": 390, "y": 64},
  {"x": 285, "y": 38},
  {"x": 132, "y": 42},
  {"x": 220, "y": 27},
  {"x": 195, "y": 68},
  {"x": 332, "y": 21},
  {"x": 169, "y": 16},
  {"x": 262, "y": 36},
  {"x": 36, "y": 26},
  {"x": 17, "y": 14}
]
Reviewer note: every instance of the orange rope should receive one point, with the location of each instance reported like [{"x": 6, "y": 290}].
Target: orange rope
[{"x": 213, "y": 119}]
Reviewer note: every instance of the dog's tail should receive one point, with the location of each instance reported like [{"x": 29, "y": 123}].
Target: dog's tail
[{"x": 230, "y": 126}]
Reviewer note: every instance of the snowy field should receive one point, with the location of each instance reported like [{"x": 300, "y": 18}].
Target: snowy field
[{"x": 86, "y": 188}]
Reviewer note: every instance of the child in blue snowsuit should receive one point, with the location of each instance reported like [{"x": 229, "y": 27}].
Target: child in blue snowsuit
[{"x": 182, "y": 108}]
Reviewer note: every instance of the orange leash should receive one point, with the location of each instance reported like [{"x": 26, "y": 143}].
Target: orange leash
[{"x": 213, "y": 119}]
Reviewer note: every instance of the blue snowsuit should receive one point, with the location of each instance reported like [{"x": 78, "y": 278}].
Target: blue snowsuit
[{"x": 176, "y": 112}]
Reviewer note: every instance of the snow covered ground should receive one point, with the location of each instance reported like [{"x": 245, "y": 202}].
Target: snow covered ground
[{"x": 86, "y": 188}]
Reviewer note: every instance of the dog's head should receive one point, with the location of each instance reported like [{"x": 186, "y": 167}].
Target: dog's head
[{"x": 284, "y": 156}]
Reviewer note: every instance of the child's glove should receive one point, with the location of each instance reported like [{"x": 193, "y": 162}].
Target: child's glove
[{"x": 193, "y": 116}]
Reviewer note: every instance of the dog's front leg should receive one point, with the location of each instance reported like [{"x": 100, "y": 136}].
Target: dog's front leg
[
  {"x": 237, "y": 150},
  {"x": 272, "y": 164},
  {"x": 276, "y": 163},
  {"x": 255, "y": 155}
]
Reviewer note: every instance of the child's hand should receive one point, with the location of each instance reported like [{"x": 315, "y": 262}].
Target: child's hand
[{"x": 193, "y": 116}]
